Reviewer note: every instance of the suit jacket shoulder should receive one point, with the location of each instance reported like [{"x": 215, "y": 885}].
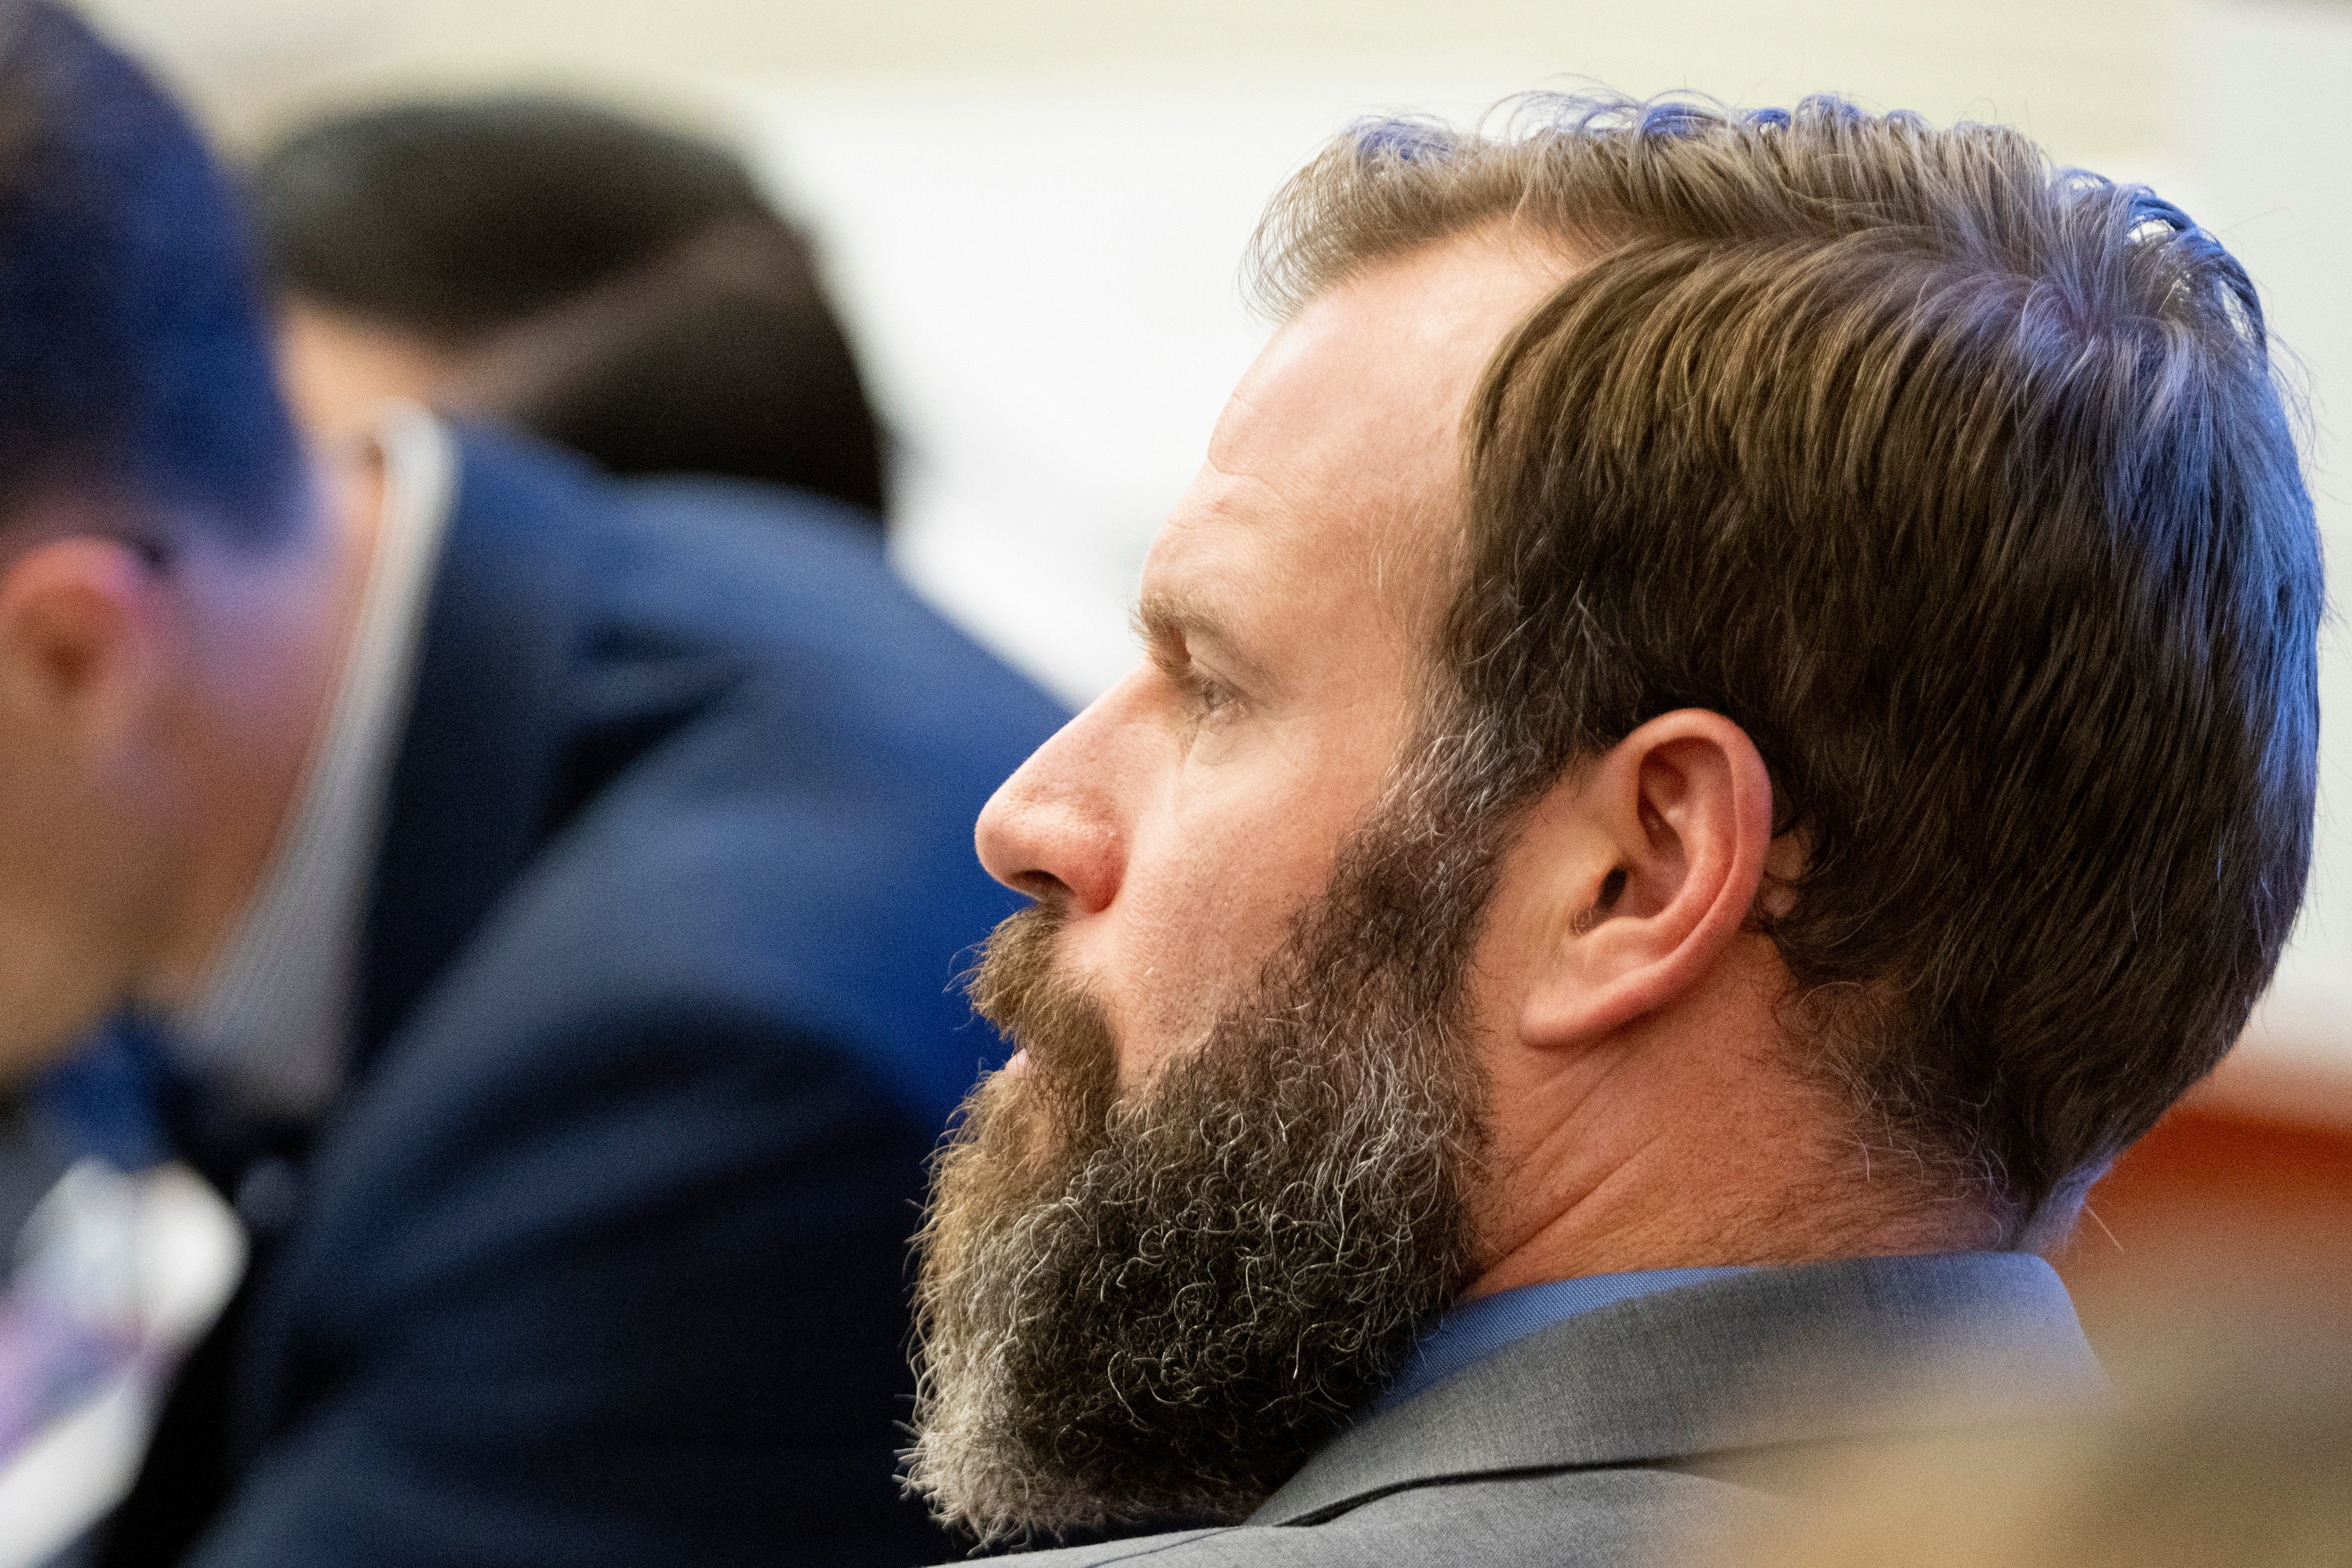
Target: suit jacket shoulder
[{"x": 1595, "y": 1440}]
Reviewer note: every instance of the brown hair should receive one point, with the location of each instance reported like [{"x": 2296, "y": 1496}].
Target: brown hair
[{"x": 1965, "y": 487}]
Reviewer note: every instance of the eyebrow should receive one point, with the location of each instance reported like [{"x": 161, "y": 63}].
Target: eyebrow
[
  {"x": 1168, "y": 624},
  {"x": 1161, "y": 618}
]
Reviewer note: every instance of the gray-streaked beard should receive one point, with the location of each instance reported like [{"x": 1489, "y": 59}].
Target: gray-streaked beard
[{"x": 1155, "y": 1307}]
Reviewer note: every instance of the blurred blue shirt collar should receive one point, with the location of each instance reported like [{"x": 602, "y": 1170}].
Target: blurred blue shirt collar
[{"x": 1476, "y": 1329}]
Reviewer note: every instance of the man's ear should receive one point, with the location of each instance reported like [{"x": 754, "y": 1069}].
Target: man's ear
[
  {"x": 79, "y": 645},
  {"x": 1659, "y": 849}
]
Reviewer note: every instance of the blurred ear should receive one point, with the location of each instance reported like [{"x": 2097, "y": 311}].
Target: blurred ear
[
  {"x": 1657, "y": 851},
  {"x": 80, "y": 619}
]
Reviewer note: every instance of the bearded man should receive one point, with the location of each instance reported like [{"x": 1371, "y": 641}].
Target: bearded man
[{"x": 1731, "y": 716}]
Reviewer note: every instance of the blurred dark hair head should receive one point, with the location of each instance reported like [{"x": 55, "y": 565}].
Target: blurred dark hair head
[
  {"x": 133, "y": 359},
  {"x": 623, "y": 289}
]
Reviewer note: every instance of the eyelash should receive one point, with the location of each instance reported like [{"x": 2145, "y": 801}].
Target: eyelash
[
  {"x": 1205, "y": 696},
  {"x": 1208, "y": 694}
]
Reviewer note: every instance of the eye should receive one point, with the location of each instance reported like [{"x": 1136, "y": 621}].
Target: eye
[
  {"x": 1203, "y": 699},
  {"x": 1209, "y": 694}
]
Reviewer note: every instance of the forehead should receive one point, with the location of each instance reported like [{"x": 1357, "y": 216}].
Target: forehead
[{"x": 1333, "y": 467}]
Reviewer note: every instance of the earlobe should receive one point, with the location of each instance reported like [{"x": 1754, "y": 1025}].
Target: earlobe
[{"x": 1673, "y": 827}]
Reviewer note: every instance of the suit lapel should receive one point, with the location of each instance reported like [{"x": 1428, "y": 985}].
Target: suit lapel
[
  {"x": 478, "y": 760},
  {"x": 536, "y": 684},
  {"x": 1816, "y": 1354}
]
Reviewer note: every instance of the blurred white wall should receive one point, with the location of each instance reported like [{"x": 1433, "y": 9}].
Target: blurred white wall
[
  {"x": 2083, "y": 73},
  {"x": 2265, "y": 156},
  {"x": 1033, "y": 212}
]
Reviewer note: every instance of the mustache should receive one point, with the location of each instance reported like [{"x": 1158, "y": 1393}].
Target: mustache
[
  {"x": 1033, "y": 1005},
  {"x": 1019, "y": 987}
]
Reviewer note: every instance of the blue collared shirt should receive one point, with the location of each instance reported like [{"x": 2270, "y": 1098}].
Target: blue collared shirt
[{"x": 1477, "y": 1330}]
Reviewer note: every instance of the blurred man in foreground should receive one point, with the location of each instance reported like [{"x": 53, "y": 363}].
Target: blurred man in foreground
[
  {"x": 623, "y": 289},
  {"x": 2230, "y": 1447},
  {"x": 1730, "y": 716},
  {"x": 536, "y": 898}
]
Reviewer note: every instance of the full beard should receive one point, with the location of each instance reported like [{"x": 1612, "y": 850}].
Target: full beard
[{"x": 1154, "y": 1306}]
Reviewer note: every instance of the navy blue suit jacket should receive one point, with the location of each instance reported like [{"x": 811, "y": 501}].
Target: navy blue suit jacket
[{"x": 601, "y": 1258}]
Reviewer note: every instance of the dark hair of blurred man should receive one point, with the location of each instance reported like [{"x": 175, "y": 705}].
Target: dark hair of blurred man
[
  {"x": 1731, "y": 716},
  {"x": 533, "y": 898},
  {"x": 623, "y": 289}
]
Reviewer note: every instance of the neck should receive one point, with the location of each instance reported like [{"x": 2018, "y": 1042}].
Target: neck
[
  {"x": 270, "y": 644},
  {"x": 1670, "y": 1149}
]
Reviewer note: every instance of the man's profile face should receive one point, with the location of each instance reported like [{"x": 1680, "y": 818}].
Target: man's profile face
[
  {"x": 1204, "y": 1217},
  {"x": 1191, "y": 812}
]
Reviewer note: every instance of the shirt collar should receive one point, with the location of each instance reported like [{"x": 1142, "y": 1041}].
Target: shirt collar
[
  {"x": 1474, "y": 1330},
  {"x": 272, "y": 1029}
]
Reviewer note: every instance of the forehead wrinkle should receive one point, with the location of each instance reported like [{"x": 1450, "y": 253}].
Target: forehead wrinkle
[
  {"x": 1221, "y": 433},
  {"x": 1243, "y": 472},
  {"x": 1223, "y": 564},
  {"x": 1226, "y": 529}
]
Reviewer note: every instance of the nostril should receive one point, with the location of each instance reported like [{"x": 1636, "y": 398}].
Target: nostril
[
  {"x": 1043, "y": 885},
  {"x": 1051, "y": 842}
]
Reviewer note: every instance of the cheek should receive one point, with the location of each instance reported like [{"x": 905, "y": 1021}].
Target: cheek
[
  {"x": 1209, "y": 895},
  {"x": 77, "y": 901},
  {"x": 54, "y": 829}
]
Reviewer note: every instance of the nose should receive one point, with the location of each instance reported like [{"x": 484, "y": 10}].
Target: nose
[{"x": 1054, "y": 830}]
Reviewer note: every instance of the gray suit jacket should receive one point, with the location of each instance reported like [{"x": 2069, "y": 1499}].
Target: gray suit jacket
[{"x": 1588, "y": 1441}]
